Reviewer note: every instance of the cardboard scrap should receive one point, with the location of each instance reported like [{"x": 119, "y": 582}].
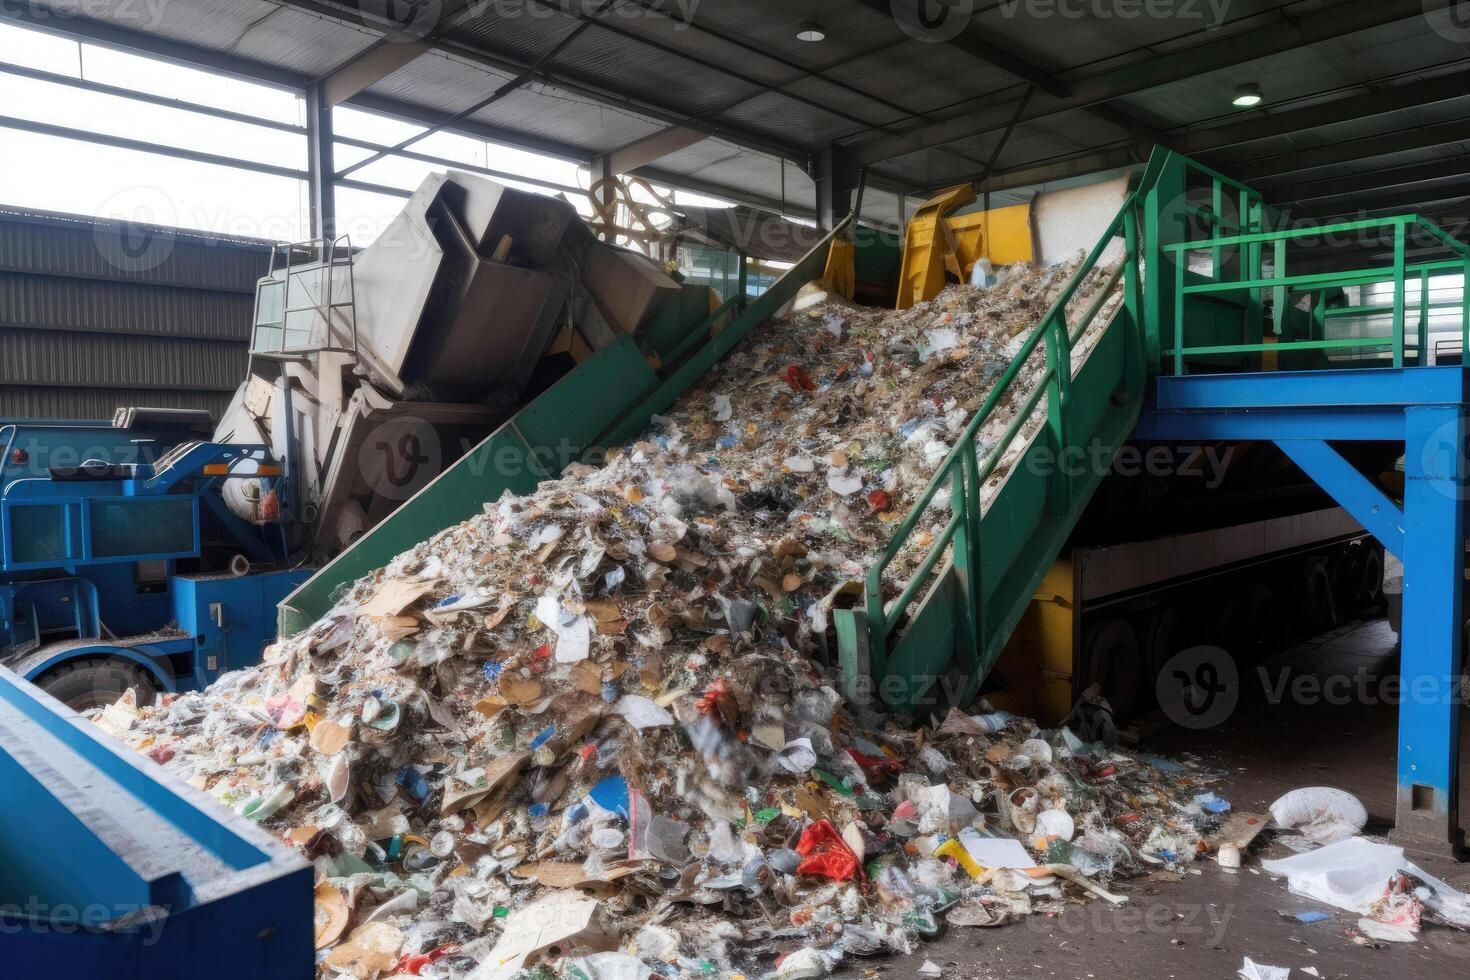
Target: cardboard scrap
[
  {"x": 370, "y": 950},
  {"x": 562, "y": 919},
  {"x": 498, "y": 774},
  {"x": 331, "y": 916},
  {"x": 569, "y": 874},
  {"x": 394, "y": 596}
]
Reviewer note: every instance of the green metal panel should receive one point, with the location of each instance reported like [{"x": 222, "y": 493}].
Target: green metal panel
[
  {"x": 876, "y": 257},
  {"x": 961, "y": 624},
  {"x": 671, "y": 325}
]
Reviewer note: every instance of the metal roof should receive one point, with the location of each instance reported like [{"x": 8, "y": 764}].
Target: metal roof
[{"x": 1106, "y": 80}]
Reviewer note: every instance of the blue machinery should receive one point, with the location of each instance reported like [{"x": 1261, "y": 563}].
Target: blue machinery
[
  {"x": 1334, "y": 357},
  {"x": 115, "y": 875},
  {"x": 95, "y": 522}
]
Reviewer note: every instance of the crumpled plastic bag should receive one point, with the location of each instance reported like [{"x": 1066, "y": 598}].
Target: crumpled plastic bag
[
  {"x": 1321, "y": 813},
  {"x": 825, "y": 853}
]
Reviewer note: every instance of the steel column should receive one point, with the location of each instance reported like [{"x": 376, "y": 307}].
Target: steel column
[
  {"x": 836, "y": 176},
  {"x": 321, "y": 166},
  {"x": 1427, "y": 815}
]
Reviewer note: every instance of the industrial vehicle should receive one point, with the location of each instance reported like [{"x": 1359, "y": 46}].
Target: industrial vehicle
[
  {"x": 1239, "y": 334},
  {"x": 120, "y": 568}
]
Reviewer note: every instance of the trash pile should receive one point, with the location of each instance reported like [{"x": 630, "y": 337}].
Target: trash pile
[
  {"x": 590, "y": 733},
  {"x": 1392, "y": 897}
]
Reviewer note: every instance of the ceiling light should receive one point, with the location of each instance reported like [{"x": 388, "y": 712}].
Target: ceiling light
[
  {"x": 811, "y": 31},
  {"x": 1247, "y": 96}
]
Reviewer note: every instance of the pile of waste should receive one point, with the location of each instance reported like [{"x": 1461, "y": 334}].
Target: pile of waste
[{"x": 592, "y": 732}]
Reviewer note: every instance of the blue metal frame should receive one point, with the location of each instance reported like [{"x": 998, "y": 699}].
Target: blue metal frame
[
  {"x": 1425, "y": 409},
  {"x": 101, "y": 837}
]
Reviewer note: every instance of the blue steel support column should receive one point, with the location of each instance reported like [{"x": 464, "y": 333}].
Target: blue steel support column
[{"x": 1434, "y": 564}]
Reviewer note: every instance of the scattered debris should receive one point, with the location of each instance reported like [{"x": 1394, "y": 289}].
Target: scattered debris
[
  {"x": 1393, "y": 896},
  {"x": 1251, "y": 970},
  {"x": 1320, "y": 813},
  {"x": 593, "y": 728}
]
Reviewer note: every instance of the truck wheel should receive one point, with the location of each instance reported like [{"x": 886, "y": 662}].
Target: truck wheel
[
  {"x": 1320, "y": 603},
  {"x": 1370, "y": 590},
  {"x": 97, "y": 683},
  {"x": 1263, "y": 623},
  {"x": 1163, "y": 637},
  {"x": 1115, "y": 662}
]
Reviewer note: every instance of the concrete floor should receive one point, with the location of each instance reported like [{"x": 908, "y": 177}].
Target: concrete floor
[{"x": 1203, "y": 925}]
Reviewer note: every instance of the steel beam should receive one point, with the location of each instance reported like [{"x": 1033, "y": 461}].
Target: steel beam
[
  {"x": 373, "y": 65},
  {"x": 36, "y": 17},
  {"x": 1427, "y": 814},
  {"x": 321, "y": 164},
  {"x": 147, "y": 146},
  {"x": 1348, "y": 107},
  {"x": 1366, "y": 183},
  {"x": 1237, "y": 49},
  {"x": 1351, "y": 151},
  {"x": 1415, "y": 199},
  {"x": 1037, "y": 78},
  {"x": 972, "y": 45},
  {"x": 100, "y": 88},
  {"x": 1367, "y": 504},
  {"x": 640, "y": 153}
]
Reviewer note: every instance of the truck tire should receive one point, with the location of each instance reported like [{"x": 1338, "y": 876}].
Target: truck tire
[
  {"x": 1115, "y": 661},
  {"x": 96, "y": 683},
  {"x": 1164, "y": 636},
  {"x": 1317, "y": 598},
  {"x": 1264, "y": 626}
]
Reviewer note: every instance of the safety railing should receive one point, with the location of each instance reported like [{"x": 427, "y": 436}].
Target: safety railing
[
  {"x": 964, "y": 470},
  {"x": 304, "y": 306},
  {"x": 1249, "y": 279}
]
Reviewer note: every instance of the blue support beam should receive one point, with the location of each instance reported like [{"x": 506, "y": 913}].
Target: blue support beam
[
  {"x": 1367, "y": 504},
  {"x": 1424, "y": 408},
  {"x": 1427, "y": 815}
]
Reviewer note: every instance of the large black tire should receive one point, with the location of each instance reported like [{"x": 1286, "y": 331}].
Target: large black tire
[
  {"x": 1321, "y": 605},
  {"x": 1370, "y": 589},
  {"x": 1164, "y": 636},
  {"x": 1115, "y": 661},
  {"x": 1264, "y": 627},
  {"x": 97, "y": 683}
]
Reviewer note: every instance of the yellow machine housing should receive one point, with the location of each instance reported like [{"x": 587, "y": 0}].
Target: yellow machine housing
[{"x": 937, "y": 242}]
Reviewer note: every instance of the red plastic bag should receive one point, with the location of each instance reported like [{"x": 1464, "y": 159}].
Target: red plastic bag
[
  {"x": 824, "y": 852},
  {"x": 798, "y": 379},
  {"x": 414, "y": 965}
]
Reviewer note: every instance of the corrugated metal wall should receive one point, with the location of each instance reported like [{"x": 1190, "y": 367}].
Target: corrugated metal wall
[{"x": 97, "y": 315}]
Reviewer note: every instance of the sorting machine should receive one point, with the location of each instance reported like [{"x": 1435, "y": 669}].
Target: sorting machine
[{"x": 151, "y": 553}]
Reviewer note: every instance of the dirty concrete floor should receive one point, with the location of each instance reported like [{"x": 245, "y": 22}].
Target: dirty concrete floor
[{"x": 1203, "y": 925}]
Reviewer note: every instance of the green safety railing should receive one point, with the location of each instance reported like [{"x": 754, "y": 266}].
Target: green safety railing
[
  {"x": 966, "y": 473},
  {"x": 1249, "y": 279}
]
